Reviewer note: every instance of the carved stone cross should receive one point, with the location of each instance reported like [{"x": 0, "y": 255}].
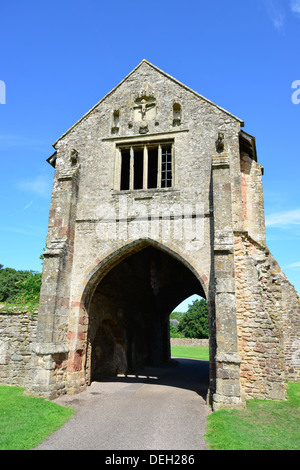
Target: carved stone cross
[{"x": 144, "y": 106}]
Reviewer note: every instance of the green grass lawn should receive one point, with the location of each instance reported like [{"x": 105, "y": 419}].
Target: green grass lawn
[
  {"x": 264, "y": 425},
  {"x": 26, "y": 421},
  {"x": 191, "y": 352}
]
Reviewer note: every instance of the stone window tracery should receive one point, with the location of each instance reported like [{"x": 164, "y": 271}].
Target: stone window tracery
[{"x": 146, "y": 166}]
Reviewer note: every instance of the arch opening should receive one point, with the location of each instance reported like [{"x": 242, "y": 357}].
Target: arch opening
[
  {"x": 189, "y": 320},
  {"x": 129, "y": 312}
]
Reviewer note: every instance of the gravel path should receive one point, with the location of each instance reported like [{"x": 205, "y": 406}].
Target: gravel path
[{"x": 158, "y": 408}]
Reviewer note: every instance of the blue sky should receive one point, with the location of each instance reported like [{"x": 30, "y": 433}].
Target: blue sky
[{"x": 60, "y": 58}]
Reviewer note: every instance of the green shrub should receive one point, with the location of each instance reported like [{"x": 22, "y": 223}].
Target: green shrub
[
  {"x": 174, "y": 333},
  {"x": 19, "y": 288}
]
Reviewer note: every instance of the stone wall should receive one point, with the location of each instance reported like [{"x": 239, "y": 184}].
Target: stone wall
[
  {"x": 17, "y": 333},
  {"x": 261, "y": 334},
  {"x": 189, "y": 342},
  {"x": 268, "y": 317}
]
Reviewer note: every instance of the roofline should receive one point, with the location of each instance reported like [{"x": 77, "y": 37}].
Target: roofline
[
  {"x": 193, "y": 91},
  {"x": 163, "y": 73}
]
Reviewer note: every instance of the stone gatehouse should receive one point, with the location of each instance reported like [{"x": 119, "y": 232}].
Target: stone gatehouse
[{"x": 157, "y": 195}]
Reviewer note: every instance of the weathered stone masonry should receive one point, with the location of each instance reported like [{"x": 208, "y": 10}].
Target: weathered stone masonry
[
  {"x": 17, "y": 334},
  {"x": 268, "y": 318},
  {"x": 157, "y": 195}
]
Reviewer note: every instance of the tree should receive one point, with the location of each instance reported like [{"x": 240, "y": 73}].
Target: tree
[
  {"x": 9, "y": 279},
  {"x": 174, "y": 333},
  {"x": 19, "y": 286},
  {"x": 31, "y": 286},
  {"x": 194, "y": 323},
  {"x": 176, "y": 315}
]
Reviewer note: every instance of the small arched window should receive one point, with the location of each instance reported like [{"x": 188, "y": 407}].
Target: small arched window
[
  {"x": 176, "y": 114},
  {"x": 116, "y": 122}
]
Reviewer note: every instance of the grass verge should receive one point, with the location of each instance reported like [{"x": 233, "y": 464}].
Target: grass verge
[
  {"x": 25, "y": 421},
  {"x": 191, "y": 352},
  {"x": 264, "y": 425}
]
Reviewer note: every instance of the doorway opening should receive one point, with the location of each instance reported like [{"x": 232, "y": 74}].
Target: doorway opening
[
  {"x": 129, "y": 312},
  {"x": 189, "y": 322}
]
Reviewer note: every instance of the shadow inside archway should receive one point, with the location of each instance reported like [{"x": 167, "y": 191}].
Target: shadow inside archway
[
  {"x": 188, "y": 374},
  {"x": 129, "y": 311}
]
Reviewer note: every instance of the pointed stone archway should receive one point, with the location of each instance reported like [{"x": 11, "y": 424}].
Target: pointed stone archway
[
  {"x": 136, "y": 297},
  {"x": 138, "y": 286},
  {"x": 132, "y": 292}
]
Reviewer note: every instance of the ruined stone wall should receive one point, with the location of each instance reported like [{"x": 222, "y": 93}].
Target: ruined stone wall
[
  {"x": 189, "y": 342},
  {"x": 268, "y": 317},
  {"x": 17, "y": 333},
  {"x": 252, "y": 198}
]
